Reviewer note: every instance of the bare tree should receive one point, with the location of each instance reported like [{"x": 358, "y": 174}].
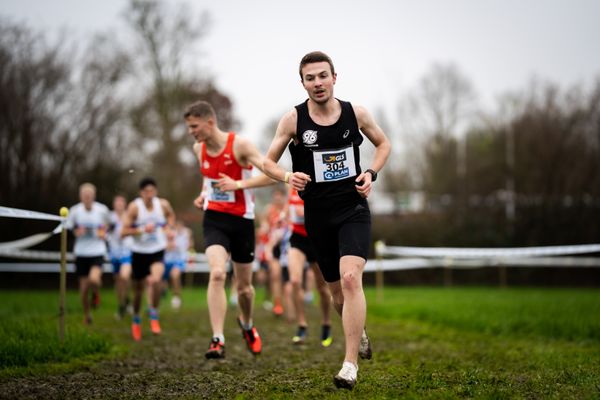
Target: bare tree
[
  {"x": 60, "y": 117},
  {"x": 447, "y": 98},
  {"x": 166, "y": 38},
  {"x": 59, "y": 123},
  {"x": 434, "y": 116}
]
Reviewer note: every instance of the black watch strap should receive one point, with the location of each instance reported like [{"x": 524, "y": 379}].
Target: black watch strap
[{"x": 373, "y": 174}]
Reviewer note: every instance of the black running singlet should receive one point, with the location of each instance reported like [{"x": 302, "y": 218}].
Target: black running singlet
[{"x": 329, "y": 154}]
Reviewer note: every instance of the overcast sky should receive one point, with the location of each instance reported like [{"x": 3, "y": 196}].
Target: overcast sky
[{"x": 380, "y": 48}]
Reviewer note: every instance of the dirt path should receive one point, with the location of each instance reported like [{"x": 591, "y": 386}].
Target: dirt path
[{"x": 173, "y": 365}]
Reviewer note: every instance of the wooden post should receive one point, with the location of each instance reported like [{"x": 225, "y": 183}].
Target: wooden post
[
  {"x": 379, "y": 248},
  {"x": 64, "y": 212}
]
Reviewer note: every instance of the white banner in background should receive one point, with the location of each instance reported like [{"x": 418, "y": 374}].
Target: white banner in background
[{"x": 458, "y": 252}]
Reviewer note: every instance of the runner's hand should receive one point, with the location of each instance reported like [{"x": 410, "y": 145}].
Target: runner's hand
[
  {"x": 199, "y": 201},
  {"x": 363, "y": 184},
  {"x": 299, "y": 180},
  {"x": 226, "y": 183}
]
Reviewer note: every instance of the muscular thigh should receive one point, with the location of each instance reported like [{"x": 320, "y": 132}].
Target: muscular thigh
[{"x": 339, "y": 231}]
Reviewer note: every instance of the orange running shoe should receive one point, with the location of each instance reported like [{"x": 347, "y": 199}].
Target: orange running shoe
[
  {"x": 136, "y": 331},
  {"x": 155, "y": 326},
  {"x": 278, "y": 310},
  {"x": 252, "y": 339}
]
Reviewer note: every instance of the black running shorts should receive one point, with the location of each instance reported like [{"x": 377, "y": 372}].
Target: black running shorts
[
  {"x": 141, "y": 263},
  {"x": 303, "y": 244},
  {"x": 84, "y": 264},
  {"x": 234, "y": 233},
  {"x": 337, "y": 230}
]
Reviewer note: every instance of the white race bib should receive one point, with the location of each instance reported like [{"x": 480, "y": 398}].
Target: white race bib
[
  {"x": 334, "y": 165},
  {"x": 215, "y": 194}
]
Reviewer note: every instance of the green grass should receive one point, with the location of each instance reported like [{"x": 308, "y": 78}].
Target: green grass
[
  {"x": 29, "y": 331},
  {"x": 571, "y": 314},
  {"x": 428, "y": 343},
  {"x": 490, "y": 343}
]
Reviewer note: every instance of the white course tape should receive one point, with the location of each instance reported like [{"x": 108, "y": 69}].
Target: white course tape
[
  {"x": 18, "y": 213},
  {"x": 29, "y": 241},
  {"x": 457, "y": 252},
  {"x": 34, "y": 255},
  {"x": 55, "y": 267},
  {"x": 199, "y": 258},
  {"x": 399, "y": 264}
]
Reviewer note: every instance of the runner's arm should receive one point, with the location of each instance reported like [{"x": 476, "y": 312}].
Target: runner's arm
[
  {"x": 129, "y": 216},
  {"x": 246, "y": 153},
  {"x": 286, "y": 131},
  {"x": 199, "y": 200}
]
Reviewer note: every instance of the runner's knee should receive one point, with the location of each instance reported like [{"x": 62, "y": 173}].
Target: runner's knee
[
  {"x": 351, "y": 281},
  {"x": 296, "y": 282},
  {"x": 244, "y": 289},
  {"x": 218, "y": 276}
]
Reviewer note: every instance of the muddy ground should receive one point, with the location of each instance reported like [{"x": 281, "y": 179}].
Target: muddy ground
[{"x": 173, "y": 365}]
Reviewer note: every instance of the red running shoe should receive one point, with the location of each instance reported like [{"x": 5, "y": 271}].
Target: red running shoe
[
  {"x": 252, "y": 339},
  {"x": 136, "y": 331},
  {"x": 216, "y": 349}
]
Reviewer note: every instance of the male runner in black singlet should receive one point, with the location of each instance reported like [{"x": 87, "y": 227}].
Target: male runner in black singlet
[{"x": 323, "y": 135}]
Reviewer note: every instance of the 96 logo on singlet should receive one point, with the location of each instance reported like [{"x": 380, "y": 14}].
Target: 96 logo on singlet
[
  {"x": 334, "y": 165},
  {"x": 309, "y": 137}
]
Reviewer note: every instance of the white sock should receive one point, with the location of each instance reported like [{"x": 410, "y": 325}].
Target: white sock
[
  {"x": 248, "y": 326},
  {"x": 352, "y": 366},
  {"x": 221, "y": 337}
]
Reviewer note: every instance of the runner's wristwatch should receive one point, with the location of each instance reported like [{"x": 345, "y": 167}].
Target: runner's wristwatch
[{"x": 373, "y": 174}]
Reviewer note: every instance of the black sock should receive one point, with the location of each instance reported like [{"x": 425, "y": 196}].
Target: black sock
[{"x": 325, "y": 332}]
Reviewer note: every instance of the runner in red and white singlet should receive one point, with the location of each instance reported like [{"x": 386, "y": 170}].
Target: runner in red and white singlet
[
  {"x": 226, "y": 162},
  {"x": 238, "y": 202}
]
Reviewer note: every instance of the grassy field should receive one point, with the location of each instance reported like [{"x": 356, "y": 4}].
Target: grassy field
[{"x": 428, "y": 343}]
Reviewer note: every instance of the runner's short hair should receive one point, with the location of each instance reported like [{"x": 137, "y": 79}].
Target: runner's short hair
[
  {"x": 146, "y": 182},
  {"x": 87, "y": 186},
  {"x": 200, "y": 109},
  {"x": 314, "y": 57}
]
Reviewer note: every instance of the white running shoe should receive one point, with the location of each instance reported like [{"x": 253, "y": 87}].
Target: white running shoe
[
  {"x": 364, "y": 349},
  {"x": 176, "y": 302},
  {"x": 346, "y": 378}
]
